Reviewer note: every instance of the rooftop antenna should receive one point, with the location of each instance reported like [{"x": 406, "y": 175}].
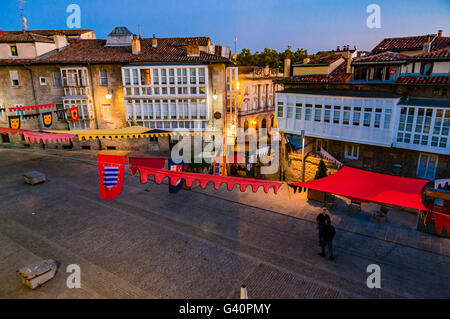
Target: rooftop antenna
[
  {"x": 24, "y": 20},
  {"x": 235, "y": 43}
]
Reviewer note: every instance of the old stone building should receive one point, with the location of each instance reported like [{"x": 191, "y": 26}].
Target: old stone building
[
  {"x": 257, "y": 97},
  {"x": 161, "y": 83},
  {"x": 388, "y": 111}
]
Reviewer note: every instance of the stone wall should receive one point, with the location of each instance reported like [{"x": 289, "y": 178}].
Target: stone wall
[
  {"x": 294, "y": 168},
  {"x": 98, "y": 91},
  {"x": 25, "y": 95},
  {"x": 217, "y": 78}
]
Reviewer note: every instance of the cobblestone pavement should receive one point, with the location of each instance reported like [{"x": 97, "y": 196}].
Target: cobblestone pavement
[{"x": 150, "y": 244}]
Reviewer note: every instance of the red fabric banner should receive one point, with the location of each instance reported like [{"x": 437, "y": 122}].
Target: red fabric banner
[
  {"x": 111, "y": 169},
  {"x": 30, "y": 107},
  {"x": 35, "y": 137},
  {"x": 74, "y": 114},
  {"x": 6, "y": 130},
  {"x": 204, "y": 179},
  {"x": 442, "y": 220},
  {"x": 372, "y": 187},
  {"x": 152, "y": 162}
]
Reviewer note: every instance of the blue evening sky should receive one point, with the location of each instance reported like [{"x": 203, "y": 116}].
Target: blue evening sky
[{"x": 313, "y": 24}]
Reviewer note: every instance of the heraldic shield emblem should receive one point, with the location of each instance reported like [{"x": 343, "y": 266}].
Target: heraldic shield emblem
[
  {"x": 14, "y": 121},
  {"x": 74, "y": 113},
  {"x": 110, "y": 172},
  {"x": 110, "y": 176},
  {"x": 47, "y": 119}
]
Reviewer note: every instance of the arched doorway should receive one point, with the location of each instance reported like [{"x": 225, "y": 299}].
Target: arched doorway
[{"x": 273, "y": 122}]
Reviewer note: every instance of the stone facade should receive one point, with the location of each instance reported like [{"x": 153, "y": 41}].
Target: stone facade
[
  {"x": 30, "y": 92},
  {"x": 294, "y": 167},
  {"x": 217, "y": 76},
  {"x": 257, "y": 97},
  {"x": 99, "y": 96}
]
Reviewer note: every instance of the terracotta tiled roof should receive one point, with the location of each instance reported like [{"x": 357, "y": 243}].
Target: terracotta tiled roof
[
  {"x": 440, "y": 43},
  {"x": 442, "y": 54},
  {"x": 439, "y": 80},
  {"x": 95, "y": 51},
  {"x": 411, "y": 43},
  {"x": 382, "y": 57},
  {"x": 202, "y": 41},
  {"x": 326, "y": 60},
  {"x": 16, "y": 61},
  {"x": 67, "y": 32},
  {"x": 16, "y": 36},
  {"x": 339, "y": 75}
]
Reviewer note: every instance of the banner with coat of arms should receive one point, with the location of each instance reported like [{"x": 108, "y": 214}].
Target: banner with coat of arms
[
  {"x": 176, "y": 168},
  {"x": 74, "y": 114},
  {"x": 47, "y": 119},
  {"x": 111, "y": 169},
  {"x": 14, "y": 121}
]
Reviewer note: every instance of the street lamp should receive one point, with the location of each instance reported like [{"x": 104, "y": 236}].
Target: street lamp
[
  {"x": 215, "y": 96},
  {"x": 108, "y": 95}
]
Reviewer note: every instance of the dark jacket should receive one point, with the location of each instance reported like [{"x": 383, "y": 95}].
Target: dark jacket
[{"x": 328, "y": 232}]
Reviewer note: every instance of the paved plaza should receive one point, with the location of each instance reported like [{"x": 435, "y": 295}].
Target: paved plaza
[{"x": 148, "y": 243}]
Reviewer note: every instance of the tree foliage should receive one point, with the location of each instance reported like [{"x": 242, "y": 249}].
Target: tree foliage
[
  {"x": 270, "y": 57},
  {"x": 321, "y": 170}
]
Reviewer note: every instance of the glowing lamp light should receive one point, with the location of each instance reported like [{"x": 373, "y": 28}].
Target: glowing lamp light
[
  {"x": 215, "y": 96},
  {"x": 108, "y": 96}
]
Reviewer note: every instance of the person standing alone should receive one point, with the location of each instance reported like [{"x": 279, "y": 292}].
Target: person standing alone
[
  {"x": 328, "y": 233},
  {"x": 320, "y": 222}
]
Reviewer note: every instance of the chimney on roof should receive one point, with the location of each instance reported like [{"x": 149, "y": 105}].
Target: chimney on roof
[
  {"x": 154, "y": 42},
  {"x": 218, "y": 50},
  {"x": 135, "y": 45},
  {"x": 60, "y": 40},
  {"x": 439, "y": 33},
  {"x": 193, "y": 48},
  {"x": 348, "y": 68},
  {"x": 287, "y": 65},
  {"x": 338, "y": 48},
  {"x": 427, "y": 45}
]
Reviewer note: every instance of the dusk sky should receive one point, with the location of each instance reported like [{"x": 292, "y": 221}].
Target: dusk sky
[{"x": 313, "y": 25}]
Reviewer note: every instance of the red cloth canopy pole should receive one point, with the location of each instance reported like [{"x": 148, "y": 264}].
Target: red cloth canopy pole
[{"x": 372, "y": 187}]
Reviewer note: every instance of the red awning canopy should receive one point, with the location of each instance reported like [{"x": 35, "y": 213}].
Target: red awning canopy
[{"x": 372, "y": 187}]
